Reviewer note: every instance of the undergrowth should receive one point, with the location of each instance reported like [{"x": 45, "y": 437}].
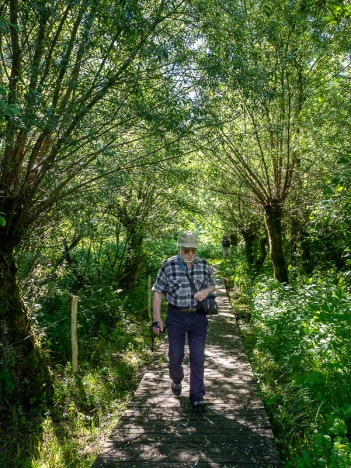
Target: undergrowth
[
  {"x": 69, "y": 426},
  {"x": 299, "y": 338}
]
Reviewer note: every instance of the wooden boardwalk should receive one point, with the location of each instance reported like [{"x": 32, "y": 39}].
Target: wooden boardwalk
[{"x": 160, "y": 430}]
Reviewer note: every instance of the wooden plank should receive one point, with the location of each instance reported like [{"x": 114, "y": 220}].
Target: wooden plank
[
  {"x": 111, "y": 463},
  {"x": 173, "y": 435},
  {"x": 234, "y": 400},
  {"x": 184, "y": 426},
  {"x": 213, "y": 412},
  {"x": 251, "y": 435},
  {"x": 254, "y": 451}
]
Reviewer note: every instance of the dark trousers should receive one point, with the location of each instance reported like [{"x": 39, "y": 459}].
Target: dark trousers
[{"x": 195, "y": 326}]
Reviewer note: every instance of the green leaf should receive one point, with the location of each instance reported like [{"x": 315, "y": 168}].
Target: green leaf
[
  {"x": 2, "y": 221},
  {"x": 15, "y": 27}
]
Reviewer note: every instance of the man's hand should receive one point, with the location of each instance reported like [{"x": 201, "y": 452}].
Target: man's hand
[
  {"x": 203, "y": 293},
  {"x": 159, "y": 329}
]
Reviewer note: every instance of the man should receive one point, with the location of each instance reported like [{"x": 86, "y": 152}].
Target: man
[
  {"x": 184, "y": 280},
  {"x": 226, "y": 248}
]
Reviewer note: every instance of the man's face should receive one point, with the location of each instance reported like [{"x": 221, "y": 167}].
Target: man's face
[{"x": 188, "y": 254}]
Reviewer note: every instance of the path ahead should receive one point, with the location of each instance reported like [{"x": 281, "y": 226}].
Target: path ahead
[{"x": 159, "y": 430}]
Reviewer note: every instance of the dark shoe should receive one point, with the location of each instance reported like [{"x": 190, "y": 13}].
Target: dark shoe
[
  {"x": 176, "y": 389},
  {"x": 199, "y": 406}
]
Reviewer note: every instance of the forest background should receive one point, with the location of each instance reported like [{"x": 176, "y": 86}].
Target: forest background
[{"x": 123, "y": 123}]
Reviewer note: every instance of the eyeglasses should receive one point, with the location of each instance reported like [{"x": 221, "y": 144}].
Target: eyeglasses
[{"x": 188, "y": 250}]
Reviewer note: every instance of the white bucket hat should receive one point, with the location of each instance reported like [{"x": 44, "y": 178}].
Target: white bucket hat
[{"x": 188, "y": 239}]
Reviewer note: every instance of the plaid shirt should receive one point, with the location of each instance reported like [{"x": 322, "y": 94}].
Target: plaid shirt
[{"x": 173, "y": 282}]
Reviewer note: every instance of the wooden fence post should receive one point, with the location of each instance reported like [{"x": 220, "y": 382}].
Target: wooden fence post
[
  {"x": 149, "y": 296},
  {"x": 74, "y": 340}
]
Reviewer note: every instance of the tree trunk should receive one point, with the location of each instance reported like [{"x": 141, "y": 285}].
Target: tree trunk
[
  {"x": 301, "y": 244},
  {"x": 133, "y": 262},
  {"x": 24, "y": 374},
  {"x": 273, "y": 219},
  {"x": 255, "y": 249},
  {"x": 234, "y": 239},
  {"x": 263, "y": 253},
  {"x": 249, "y": 241}
]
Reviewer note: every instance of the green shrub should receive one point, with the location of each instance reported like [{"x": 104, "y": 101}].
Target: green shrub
[{"x": 302, "y": 360}]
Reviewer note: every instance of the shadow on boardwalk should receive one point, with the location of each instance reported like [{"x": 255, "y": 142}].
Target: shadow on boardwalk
[{"x": 160, "y": 430}]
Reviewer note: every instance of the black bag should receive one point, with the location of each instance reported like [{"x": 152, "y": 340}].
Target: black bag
[{"x": 208, "y": 306}]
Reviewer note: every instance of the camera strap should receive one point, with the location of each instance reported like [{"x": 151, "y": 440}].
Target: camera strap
[{"x": 183, "y": 267}]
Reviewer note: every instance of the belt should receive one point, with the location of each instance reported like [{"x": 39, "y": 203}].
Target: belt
[{"x": 184, "y": 309}]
